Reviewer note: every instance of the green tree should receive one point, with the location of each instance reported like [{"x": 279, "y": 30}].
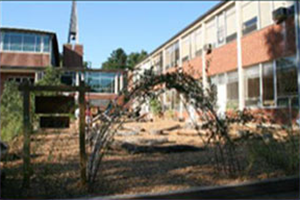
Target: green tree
[
  {"x": 134, "y": 58},
  {"x": 120, "y": 60},
  {"x": 11, "y": 111},
  {"x": 117, "y": 60},
  {"x": 51, "y": 77},
  {"x": 12, "y": 104}
]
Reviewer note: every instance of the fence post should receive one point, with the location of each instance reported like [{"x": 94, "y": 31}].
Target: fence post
[
  {"x": 26, "y": 132},
  {"x": 83, "y": 157}
]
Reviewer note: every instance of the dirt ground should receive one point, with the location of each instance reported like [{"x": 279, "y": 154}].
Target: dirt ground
[{"x": 55, "y": 166}]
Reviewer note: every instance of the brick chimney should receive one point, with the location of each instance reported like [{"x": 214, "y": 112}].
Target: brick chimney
[{"x": 73, "y": 56}]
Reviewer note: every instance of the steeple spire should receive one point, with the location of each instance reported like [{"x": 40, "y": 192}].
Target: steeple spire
[{"x": 73, "y": 30}]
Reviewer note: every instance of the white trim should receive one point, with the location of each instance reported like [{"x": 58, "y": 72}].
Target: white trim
[
  {"x": 258, "y": 16},
  {"x": 180, "y": 52},
  {"x": 261, "y": 85},
  {"x": 239, "y": 56},
  {"x": 204, "y": 76}
]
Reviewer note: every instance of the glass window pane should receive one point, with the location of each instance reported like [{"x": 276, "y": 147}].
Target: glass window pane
[
  {"x": 46, "y": 40},
  {"x": 29, "y": 42},
  {"x": 286, "y": 73},
  {"x": 211, "y": 33},
  {"x": 221, "y": 29},
  {"x": 230, "y": 27},
  {"x": 5, "y": 41},
  {"x": 38, "y": 43},
  {"x": 16, "y": 42},
  {"x": 268, "y": 84}
]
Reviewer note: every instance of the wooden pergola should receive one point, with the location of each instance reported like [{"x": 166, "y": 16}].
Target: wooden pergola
[{"x": 26, "y": 89}]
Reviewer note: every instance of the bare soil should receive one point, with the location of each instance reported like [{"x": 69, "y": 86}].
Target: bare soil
[{"x": 55, "y": 166}]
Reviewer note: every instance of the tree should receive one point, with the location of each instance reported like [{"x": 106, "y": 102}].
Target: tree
[
  {"x": 51, "y": 77},
  {"x": 120, "y": 60},
  {"x": 134, "y": 58},
  {"x": 11, "y": 111},
  {"x": 117, "y": 60},
  {"x": 12, "y": 104}
]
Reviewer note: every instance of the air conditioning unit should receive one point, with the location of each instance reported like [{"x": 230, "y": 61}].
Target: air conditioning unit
[
  {"x": 208, "y": 48},
  {"x": 280, "y": 14}
]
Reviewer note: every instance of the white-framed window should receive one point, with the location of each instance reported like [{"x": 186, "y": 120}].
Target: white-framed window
[
  {"x": 252, "y": 86},
  {"x": 268, "y": 93},
  {"x": 198, "y": 42},
  {"x": 25, "y": 42},
  {"x": 230, "y": 24},
  {"x": 221, "y": 29},
  {"x": 249, "y": 16},
  {"x": 232, "y": 90},
  {"x": 172, "y": 55},
  {"x": 286, "y": 79},
  {"x": 157, "y": 63},
  {"x": 21, "y": 79},
  {"x": 265, "y": 8},
  {"x": 186, "y": 47},
  {"x": 211, "y": 33}
]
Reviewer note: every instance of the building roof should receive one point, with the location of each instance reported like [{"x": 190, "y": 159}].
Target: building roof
[
  {"x": 26, "y": 30},
  {"x": 223, "y": 2}
]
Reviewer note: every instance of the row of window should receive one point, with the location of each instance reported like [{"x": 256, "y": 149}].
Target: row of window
[
  {"x": 101, "y": 82},
  {"x": 27, "y": 42},
  {"x": 20, "y": 80},
  {"x": 172, "y": 55},
  {"x": 268, "y": 84},
  {"x": 222, "y": 29}
]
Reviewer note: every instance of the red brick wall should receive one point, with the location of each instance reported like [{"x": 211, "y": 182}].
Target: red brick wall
[
  {"x": 193, "y": 67},
  {"x": 73, "y": 58},
  {"x": 268, "y": 44},
  {"x": 223, "y": 59},
  {"x": 24, "y": 59}
]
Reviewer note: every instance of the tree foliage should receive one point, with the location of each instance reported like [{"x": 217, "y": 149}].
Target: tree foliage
[
  {"x": 11, "y": 111},
  {"x": 134, "y": 58},
  {"x": 12, "y": 104},
  {"x": 51, "y": 77},
  {"x": 120, "y": 60}
]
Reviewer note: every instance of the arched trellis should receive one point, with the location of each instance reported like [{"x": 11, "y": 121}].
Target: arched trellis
[{"x": 201, "y": 98}]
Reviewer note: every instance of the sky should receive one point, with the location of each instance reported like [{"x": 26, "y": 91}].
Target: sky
[{"x": 106, "y": 26}]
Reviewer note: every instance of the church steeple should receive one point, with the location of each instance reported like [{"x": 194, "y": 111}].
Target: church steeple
[{"x": 73, "y": 30}]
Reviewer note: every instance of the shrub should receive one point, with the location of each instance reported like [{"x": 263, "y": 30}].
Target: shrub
[
  {"x": 283, "y": 155},
  {"x": 11, "y": 111},
  {"x": 155, "y": 106},
  {"x": 12, "y": 104}
]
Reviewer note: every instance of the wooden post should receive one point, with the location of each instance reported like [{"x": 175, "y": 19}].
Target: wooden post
[
  {"x": 26, "y": 132},
  {"x": 83, "y": 157}
]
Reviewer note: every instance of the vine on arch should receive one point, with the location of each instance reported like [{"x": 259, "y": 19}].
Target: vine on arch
[{"x": 203, "y": 100}]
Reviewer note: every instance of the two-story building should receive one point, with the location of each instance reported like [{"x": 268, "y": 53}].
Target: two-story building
[
  {"x": 25, "y": 53},
  {"x": 249, "y": 51}
]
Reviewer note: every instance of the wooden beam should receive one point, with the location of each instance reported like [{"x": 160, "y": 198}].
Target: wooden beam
[
  {"x": 83, "y": 157},
  {"x": 26, "y": 132},
  {"x": 61, "y": 88}
]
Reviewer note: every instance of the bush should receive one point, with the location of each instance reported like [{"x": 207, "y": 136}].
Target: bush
[
  {"x": 155, "y": 106},
  {"x": 11, "y": 111},
  {"x": 12, "y": 104},
  {"x": 282, "y": 155}
]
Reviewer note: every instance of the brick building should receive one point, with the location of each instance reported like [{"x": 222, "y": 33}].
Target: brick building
[
  {"x": 26, "y": 53},
  {"x": 251, "y": 46}
]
